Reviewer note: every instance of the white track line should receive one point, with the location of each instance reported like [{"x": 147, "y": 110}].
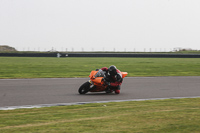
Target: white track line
[{"x": 80, "y": 103}]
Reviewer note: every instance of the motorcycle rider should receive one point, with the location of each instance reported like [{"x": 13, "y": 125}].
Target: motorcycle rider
[{"x": 113, "y": 79}]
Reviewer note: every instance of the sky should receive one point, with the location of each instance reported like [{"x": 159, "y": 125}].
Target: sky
[{"x": 100, "y": 25}]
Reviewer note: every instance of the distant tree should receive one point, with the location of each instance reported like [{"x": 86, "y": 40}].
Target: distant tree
[{"x": 7, "y": 48}]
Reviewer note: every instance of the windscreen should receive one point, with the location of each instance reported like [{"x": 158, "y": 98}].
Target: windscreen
[{"x": 100, "y": 73}]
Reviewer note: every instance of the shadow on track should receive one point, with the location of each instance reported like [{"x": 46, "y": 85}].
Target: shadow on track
[{"x": 99, "y": 94}]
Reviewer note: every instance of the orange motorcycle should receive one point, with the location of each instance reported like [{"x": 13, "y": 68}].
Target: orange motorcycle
[{"x": 96, "y": 82}]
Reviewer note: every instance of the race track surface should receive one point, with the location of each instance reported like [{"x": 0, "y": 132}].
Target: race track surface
[{"x": 17, "y": 92}]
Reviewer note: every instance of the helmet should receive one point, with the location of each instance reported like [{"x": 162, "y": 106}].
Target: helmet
[{"x": 112, "y": 70}]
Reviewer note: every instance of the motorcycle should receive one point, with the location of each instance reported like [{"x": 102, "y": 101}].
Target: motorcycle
[{"x": 97, "y": 82}]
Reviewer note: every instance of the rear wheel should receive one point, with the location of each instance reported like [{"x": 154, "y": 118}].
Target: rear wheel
[{"x": 84, "y": 88}]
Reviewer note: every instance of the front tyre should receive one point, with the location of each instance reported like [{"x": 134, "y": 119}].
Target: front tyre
[{"x": 84, "y": 88}]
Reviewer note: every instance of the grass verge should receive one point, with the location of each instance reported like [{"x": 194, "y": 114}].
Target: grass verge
[
  {"x": 172, "y": 115},
  {"x": 41, "y": 67}
]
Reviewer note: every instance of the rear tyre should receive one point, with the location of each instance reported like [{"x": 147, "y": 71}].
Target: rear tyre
[{"x": 84, "y": 88}]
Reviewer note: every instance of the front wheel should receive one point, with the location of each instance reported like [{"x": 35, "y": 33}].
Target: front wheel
[{"x": 84, "y": 88}]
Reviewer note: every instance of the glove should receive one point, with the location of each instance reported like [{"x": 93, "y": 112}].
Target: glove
[{"x": 105, "y": 81}]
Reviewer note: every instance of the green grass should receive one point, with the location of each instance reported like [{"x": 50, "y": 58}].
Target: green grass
[
  {"x": 41, "y": 67},
  {"x": 174, "y": 115},
  {"x": 177, "y": 115}
]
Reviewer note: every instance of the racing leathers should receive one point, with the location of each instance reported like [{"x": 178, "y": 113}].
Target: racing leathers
[{"x": 114, "y": 81}]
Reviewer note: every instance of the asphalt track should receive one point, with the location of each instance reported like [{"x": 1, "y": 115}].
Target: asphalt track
[{"x": 20, "y": 92}]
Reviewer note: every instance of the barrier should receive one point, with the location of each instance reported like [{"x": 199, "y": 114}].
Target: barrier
[
  {"x": 136, "y": 55},
  {"x": 29, "y": 54}
]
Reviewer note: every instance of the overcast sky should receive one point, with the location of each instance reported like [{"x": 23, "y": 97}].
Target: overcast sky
[{"x": 119, "y": 25}]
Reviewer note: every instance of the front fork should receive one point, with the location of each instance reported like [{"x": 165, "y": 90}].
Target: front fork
[{"x": 91, "y": 84}]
